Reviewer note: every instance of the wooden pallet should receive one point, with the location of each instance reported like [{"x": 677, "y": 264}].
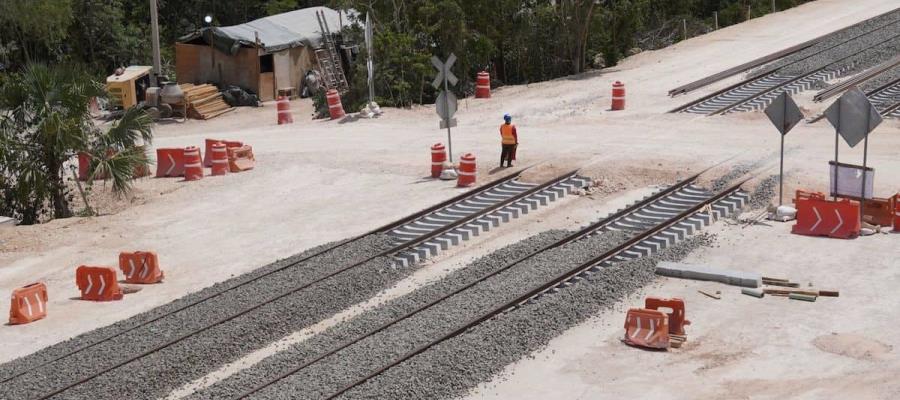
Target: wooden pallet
[{"x": 204, "y": 101}]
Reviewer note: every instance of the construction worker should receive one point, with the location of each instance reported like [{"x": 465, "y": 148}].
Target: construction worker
[{"x": 509, "y": 140}]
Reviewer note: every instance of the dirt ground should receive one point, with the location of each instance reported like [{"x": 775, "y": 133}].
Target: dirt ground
[{"x": 319, "y": 181}]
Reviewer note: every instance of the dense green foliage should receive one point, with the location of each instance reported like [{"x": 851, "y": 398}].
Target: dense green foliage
[{"x": 44, "y": 122}]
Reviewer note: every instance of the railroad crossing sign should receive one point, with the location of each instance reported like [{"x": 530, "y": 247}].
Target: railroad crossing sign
[
  {"x": 784, "y": 114},
  {"x": 444, "y": 74},
  {"x": 445, "y": 104},
  {"x": 853, "y": 116}
]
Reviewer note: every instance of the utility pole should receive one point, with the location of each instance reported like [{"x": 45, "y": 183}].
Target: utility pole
[
  {"x": 154, "y": 38},
  {"x": 773, "y": 6},
  {"x": 716, "y": 16}
]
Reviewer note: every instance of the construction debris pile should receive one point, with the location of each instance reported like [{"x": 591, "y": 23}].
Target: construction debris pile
[{"x": 204, "y": 101}]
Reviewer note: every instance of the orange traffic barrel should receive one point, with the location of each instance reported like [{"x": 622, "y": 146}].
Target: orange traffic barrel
[
  {"x": 28, "y": 304},
  {"x": 140, "y": 267},
  {"x": 466, "y": 170},
  {"x": 98, "y": 283},
  {"x": 618, "y": 96},
  {"x": 219, "y": 159},
  {"x": 438, "y": 156},
  {"x": 335, "y": 108},
  {"x": 897, "y": 212},
  {"x": 284, "y": 110},
  {"x": 193, "y": 164},
  {"x": 483, "y": 85},
  {"x": 207, "y": 156}
]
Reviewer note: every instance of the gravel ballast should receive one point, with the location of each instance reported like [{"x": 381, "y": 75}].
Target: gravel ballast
[
  {"x": 448, "y": 370},
  {"x": 156, "y": 374},
  {"x": 806, "y": 61}
]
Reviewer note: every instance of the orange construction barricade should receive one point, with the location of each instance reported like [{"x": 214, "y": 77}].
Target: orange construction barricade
[
  {"x": 897, "y": 212},
  {"x": 28, "y": 304},
  {"x": 284, "y": 110},
  {"x": 817, "y": 216},
  {"x": 878, "y": 211},
  {"x": 483, "y": 85},
  {"x": 618, "y": 96},
  {"x": 647, "y": 328},
  {"x": 467, "y": 172},
  {"x": 193, "y": 164},
  {"x": 335, "y": 108},
  {"x": 438, "y": 156},
  {"x": 207, "y": 157},
  {"x": 219, "y": 159},
  {"x": 169, "y": 162},
  {"x": 241, "y": 158},
  {"x": 676, "y": 317},
  {"x": 98, "y": 283},
  {"x": 140, "y": 267}
]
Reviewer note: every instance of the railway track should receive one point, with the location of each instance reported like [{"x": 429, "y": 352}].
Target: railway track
[
  {"x": 504, "y": 196},
  {"x": 759, "y": 89},
  {"x": 887, "y": 99},
  {"x": 656, "y": 222}
]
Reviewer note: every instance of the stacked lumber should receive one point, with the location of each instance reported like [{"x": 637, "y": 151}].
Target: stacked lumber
[{"x": 204, "y": 101}]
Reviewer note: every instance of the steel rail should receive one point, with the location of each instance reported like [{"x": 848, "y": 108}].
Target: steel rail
[
  {"x": 746, "y": 100},
  {"x": 385, "y": 228},
  {"x": 870, "y": 93},
  {"x": 586, "y": 231},
  {"x": 866, "y": 75},
  {"x": 395, "y": 250},
  {"x": 543, "y": 287},
  {"x": 757, "y": 62}
]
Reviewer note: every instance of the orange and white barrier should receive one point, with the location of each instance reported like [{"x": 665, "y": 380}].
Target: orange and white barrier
[
  {"x": 467, "y": 174},
  {"x": 193, "y": 164},
  {"x": 219, "y": 159},
  {"x": 98, "y": 283},
  {"x": 241, "y": 158},
  {"x": 618, "y": 96},
  {"x": 140, "y": 267},
  {"x": 335, "y": 108},
  {"x": 28, "y": 304},
  {"x": 207, "y": 157},
  {"x": 647, "y": 328},
  {"x": 483, "y": 85},
  {"x": 438, "y": 156},
  {"x": 284, "y": 110},
  {"x": 169, "y": 162},
  {"x": 818, "y": 216},
  {"x": 897, "y": 212}
]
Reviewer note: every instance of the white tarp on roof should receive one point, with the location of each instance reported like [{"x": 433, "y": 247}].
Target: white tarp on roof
[{"x": 276, "y": 32}]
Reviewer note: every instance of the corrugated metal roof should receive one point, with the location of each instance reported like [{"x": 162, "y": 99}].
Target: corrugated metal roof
[{"x": 276, "y": 32}]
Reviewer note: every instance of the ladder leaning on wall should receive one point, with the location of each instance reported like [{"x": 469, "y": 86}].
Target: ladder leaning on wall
[{"x": 329, "y": 59}]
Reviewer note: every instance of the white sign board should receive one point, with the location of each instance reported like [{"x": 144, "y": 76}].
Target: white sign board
[{"x": 850, "y": 180}]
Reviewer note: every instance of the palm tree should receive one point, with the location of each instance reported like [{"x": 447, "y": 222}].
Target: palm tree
[{"x": 44, "y": 122}]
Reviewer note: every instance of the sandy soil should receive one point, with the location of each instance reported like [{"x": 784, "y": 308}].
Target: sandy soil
[{"x": 318, "y": 181}]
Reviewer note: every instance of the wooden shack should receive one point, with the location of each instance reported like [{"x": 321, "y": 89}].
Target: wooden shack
[{"x": 261, "y": 56}]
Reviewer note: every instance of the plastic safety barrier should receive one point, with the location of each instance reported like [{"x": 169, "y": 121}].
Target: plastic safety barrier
[
  {"x": 141, "y": 267},
  {"x": 817, "y": 216},
  {"x": 241, "y": 158},
  {"x": 878, "y": 211},
  {"x": 647, "y": 328},
  {"x": 676, "y": 318},
  {"x": 284, "y": 110},
  {"x": 897, "y": 212},
  {"x": 28, "y": 304},
  {"x": 467, "y": 172},
  {"x": 438, "y": 156},
  {"x": 98, "y": 283},
  {"x": 169, "y": 162},
  {"x": 335, "y": 108},
  {"x": 618, "y": 96},
  {"x": 483, "y": 85},
  {"x": 207, "y": 157},
  {"x": 193, "y": 164}
]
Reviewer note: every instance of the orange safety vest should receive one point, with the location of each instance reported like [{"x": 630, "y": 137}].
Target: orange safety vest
[{"x": 506, "y": 132}]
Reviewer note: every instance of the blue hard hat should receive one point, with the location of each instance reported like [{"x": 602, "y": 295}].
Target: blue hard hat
[{"x": 507, "y": 117}]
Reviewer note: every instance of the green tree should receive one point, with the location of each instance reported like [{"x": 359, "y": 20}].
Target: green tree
[
  {"x": 37, "y": 27},
  {"x": 44, "y": 123}
]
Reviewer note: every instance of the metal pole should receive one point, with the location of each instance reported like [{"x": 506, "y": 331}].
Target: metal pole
[
  {"x": 716, "y": 16},
  {"x": 449, "y": 141},
  {"x": 773, "y": 6},
  {"x": 154, "y": 38},
  {"x": 781, "y": 175},
  {"x": 834, "y": 191},
  {"x": 684, "y": 25},
  {"x": 862, "y": 197}
]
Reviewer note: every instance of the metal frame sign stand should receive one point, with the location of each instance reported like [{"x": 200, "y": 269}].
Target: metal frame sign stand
[
  {"x": 446, "y": 101},
  {"x": 784, "y": 114}
]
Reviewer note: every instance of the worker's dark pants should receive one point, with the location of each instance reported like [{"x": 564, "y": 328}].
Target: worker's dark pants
[{"x": 506, "y": 154}]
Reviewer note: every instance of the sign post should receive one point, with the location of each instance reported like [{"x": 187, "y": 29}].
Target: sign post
[
  {"x": 446, "y": 101},
  {"x": 370, "y": 65},
  {"x": 853, "y": 118},
  {"x": 784, "y": 114}
]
